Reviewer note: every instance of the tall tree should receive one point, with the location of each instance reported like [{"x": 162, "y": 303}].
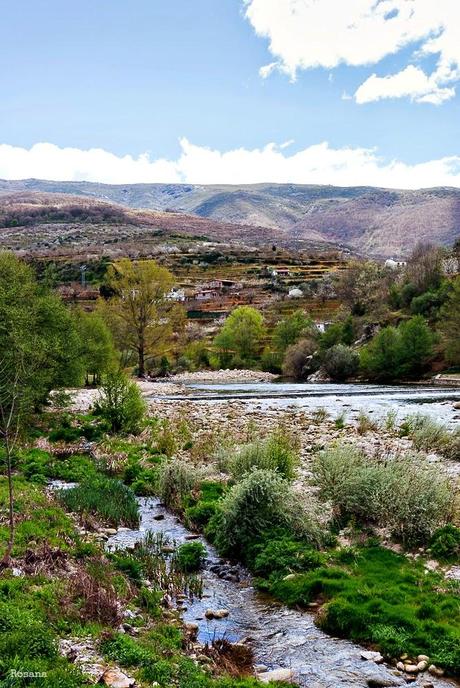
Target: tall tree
[
  {"x": 450, "y": 324},
  {"x": 139, "y": 311},
  {"x": 240, "y": 339},
  {"x": 38, "y": 351},
  {"x": 97, "y": 349}
]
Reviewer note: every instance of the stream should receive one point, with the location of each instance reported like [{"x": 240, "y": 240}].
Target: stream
[{"x": 279, "y": 637}]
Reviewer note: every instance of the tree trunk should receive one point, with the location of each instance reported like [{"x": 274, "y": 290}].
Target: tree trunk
[{"x": 6, "y": 559}]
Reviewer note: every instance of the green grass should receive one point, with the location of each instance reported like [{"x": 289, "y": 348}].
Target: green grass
[
  {"x": 40, "y": 466},
  {"x": 383, "y": 599},
  {"x": 104, "y": 497}
]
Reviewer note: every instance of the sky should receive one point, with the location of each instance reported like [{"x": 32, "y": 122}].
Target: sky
[{"x": 343, "y": 92}]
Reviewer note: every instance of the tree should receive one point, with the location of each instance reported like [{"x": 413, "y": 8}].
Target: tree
[
  {"x": 121, "y": 404},
  {"x": 364, "y": 289},
  {"x": 139, "y": 311},
  {"x": 289, "y": 330},
  {"x": 424, "y": 267},
  {"x": 450, "y": 324},
  {"x": 38, "y": 351},
  {"x": 97, "y": 349},
  {"x": 299, "y": 360},
  {"x": 240, "y": 339},
  {"x": 341, "y": 362},
  {"x": 398, "y": 352}
]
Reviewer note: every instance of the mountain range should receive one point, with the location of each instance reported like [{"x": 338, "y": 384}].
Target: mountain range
[{"x": 370, "y": 221}]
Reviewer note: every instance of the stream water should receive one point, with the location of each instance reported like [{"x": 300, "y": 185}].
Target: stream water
[
  {"x": 280, "y": 637},
  {"x": 347, "y": 398}
]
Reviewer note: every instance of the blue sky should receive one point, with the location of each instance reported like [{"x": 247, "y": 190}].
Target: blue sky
[{"x": 138, "y": 77}]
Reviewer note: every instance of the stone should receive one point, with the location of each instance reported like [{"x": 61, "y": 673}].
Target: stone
[
  {"x": 216, "y": 613},
  {"x": 158, "y": 517},
  {"x": 383, "y": 681},
  {"x": 116, "y": 679},
  {"x": 422, "y": 665},
  {"x": 422, "y": 658},
  {"x": 275, "y": 675},
  {"x": 435, "y": 671},
  {"x": 372, "y": 656},
  {"x": 411, "y": 668},
  {"x": 400, "y": 666}
]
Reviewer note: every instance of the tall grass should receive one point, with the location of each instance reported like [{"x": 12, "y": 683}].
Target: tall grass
[
  {"x": 428, "y": 434},
  {"x": 103, "y": 497}
]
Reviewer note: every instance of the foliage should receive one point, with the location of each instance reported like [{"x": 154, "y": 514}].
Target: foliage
[
  {"x": 340, "y": 332},
  {"x": 104, "y": 497},
  {"x": 450, "y": 324},
  {"x": 341, "y": 362},
  {"x": 121, "y": 404},
  {"x": 281, "y": 556},
  {"x": 176, "y": 480},
  {"x": 299, "y": 359},
  {"x": 96, "y": 349},
  {"x": 189, "y": 557},
  {"x": 363, "y": 289},
  {"x": 260, "y": 502},
  {"x": 38, "y": 465},
  {"x": 240, "y": 339},
  {"x": 139, "y": 313},
  {"x": 405, "y": 494},
  {"x": 445, "y": 543},
  {"x": 428, "y": 434},
  {"x": 398, "y": 352},
  {"x": 288, "y": 331},
  {"x": 276, "y": 453}
]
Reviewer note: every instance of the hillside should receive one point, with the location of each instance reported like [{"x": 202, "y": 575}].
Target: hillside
[{"x": 371, "y": 221}]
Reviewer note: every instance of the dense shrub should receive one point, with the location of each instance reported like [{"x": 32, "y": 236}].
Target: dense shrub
[
  {"x": 281, "y": 556},
  {"x": 262, "y": 501},
  {"x": 405, "y": 494},
  {"x": 277, "y": 453},
  {"x": 121, "y": 404},
  {"x": 341, "y": 362},
  {"x": 299, "y": 360},
  {"x": 445, "y": 543},
  {"x": 104, "y": 497},
  {"x": 176, "y": 479},
  {"x": 189, "y": 557}
]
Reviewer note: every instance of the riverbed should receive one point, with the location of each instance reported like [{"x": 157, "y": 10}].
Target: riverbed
[
  {"x": 349, "y": 399},
  {"x": 280, "y": 637}
]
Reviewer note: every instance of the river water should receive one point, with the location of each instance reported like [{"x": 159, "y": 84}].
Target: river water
[
  {"x": 347, "y": 398},
  {"x": 280, "y": 637}
]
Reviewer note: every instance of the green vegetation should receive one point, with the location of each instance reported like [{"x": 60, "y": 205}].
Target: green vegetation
[
  {"x": 190, "y": 557},
  {"x": 340, "y": 362},
  {"x": 276, "y": 453},
  {"x": 239, "y": 342},
  {"x": 121, "y": 404},
  {"x": 104, "y": 497}
]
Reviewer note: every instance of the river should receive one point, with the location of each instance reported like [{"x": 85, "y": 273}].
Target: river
[
  {"x": 347, "y": 398},
  {"x": 280, "y": 637}
]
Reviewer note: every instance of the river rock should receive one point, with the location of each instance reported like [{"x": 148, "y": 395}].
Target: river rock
[
  {"x": 422, "y": 666},
  {"x": 116, "y": 679},
  {"x": 372, "y": 656},
  {"x": 422, "y": 658},
  {"x": 216, "y": 613},
  {"x": 275, "y": 675},
  {"x": 411, "y": 668},
  {"x": 435, "y": 671},
  {"x": 383, "y": 681}
]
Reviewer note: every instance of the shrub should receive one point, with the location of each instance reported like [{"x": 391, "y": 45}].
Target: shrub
[
  {"x": 261, "y": 502},
  {"x": 121, "y": 404},
  {"x": 405, "y": 494},
  {"x": 445, "y": 543},
  {"x": 299, "y": 360},
  {"x": 104, "y": 497},
  {"x": 365, "y": 424},
  {"x": 284, "y": 555},
  {"x": 189, "y": 557},
  {"x": 176, "y": 479},
  {"x": 276, "y": 453},
  {"x": 428, "y": 434},
  {"x": 340, "y": 362}
]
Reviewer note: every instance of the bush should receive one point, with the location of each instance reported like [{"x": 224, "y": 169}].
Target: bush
[
  {"x": 445, "y": 543},
  {"x": 176, "y": 479},
  {"x": 405, "y": 494},
  {"x": 340, "y": 362},
  {"x": 121, "y": 404},
  {"x": 282, "y": 556},
  {"x": 299, "y": 360},
  {"x": 428, "y": 434},
  {"x": 259, "y": 503},
  {"x": 104, "y": 497},
  {"x": 276, "y": 453},
  {"x": 190, "y": 557}
]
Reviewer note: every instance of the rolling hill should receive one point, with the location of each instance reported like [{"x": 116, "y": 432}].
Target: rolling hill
[{"x": 371, "y": 221}]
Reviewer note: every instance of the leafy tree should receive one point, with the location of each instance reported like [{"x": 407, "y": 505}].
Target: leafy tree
[
  {"x": 450, "y": 324},
  {"x": 97, "y": 349},
  {"x": 289, "y": 330},
  {"x": 121, "y": 404},
  {"x": 139, "y": 312},
  {"x": 364, "y": 289},
  {"x": 338, "y": 333},
  {"x": 299, "y": 360},
  {"x": 241, "y": 337},
  {"x": 39, "y": 349},
  {"x": 398, "y": 352},
  {"x": 341, "y": 362}
]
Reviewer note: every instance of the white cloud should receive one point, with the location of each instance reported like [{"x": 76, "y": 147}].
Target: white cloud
[
  {"x": 305, "y": 34},
  {"x": 317, "y": 164}
]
